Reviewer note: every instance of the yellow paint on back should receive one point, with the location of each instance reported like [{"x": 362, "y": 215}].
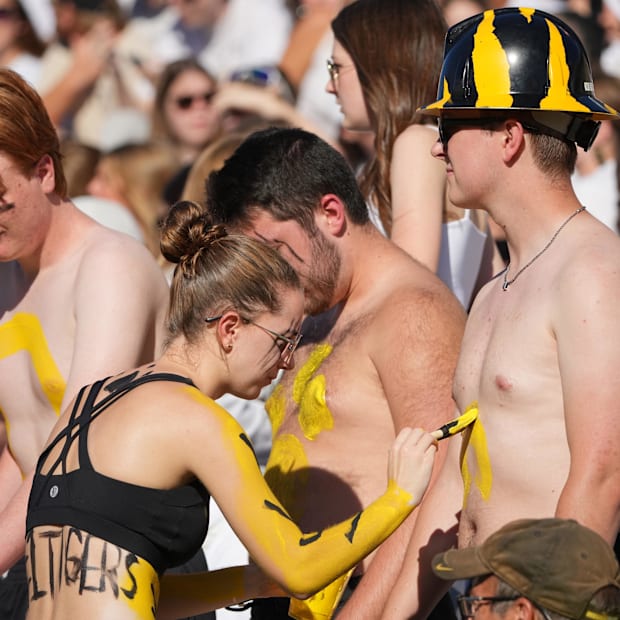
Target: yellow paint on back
[
  {"x": 491, "y": 67},
  {"x": 476, "y": 443},
  {"x": 24, "y": 333},
  {"x": 140, "y": 589},
  {"x": 559, "y": 73}
]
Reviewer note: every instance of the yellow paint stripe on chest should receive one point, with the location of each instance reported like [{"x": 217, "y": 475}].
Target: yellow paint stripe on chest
[
  {"x": 476, "y": 444},
  {"x": 309, "y": 393},
  {"x": 25, "y": 333}
]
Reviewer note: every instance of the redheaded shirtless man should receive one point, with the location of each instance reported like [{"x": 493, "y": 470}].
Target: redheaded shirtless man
[
  {"x": 77, "y": 300},
  {"x": 541, "y": 353},
  {"x": 379, "y": 346}
]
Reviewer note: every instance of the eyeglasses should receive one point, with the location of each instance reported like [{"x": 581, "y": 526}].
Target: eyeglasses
[
  {"x": 469, "y": 605},
  {"x": 334, "y": 69},
  {"x": 286, "y": 345},
  {"x": 187, "y": 101}
]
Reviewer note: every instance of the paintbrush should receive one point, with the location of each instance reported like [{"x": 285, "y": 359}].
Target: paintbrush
[{"x": 457, "y": 425}]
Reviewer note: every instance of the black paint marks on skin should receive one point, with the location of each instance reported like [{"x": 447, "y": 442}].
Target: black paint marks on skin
[
  {"x": 351, "y": 533},
  {"x": 94, "y": 572}
]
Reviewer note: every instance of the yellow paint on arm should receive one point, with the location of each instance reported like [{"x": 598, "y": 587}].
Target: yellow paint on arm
[
  {"x": 476, "y": 445},
  {"x": 492, "y": 79},
  {"x": 25, "y": 333}
]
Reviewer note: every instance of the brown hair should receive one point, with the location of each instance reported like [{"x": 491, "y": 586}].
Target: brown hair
[
  {"x": 553, "y": 156},
  {"x": 161, "y": 129},
  {"x": 397, "y": 49},
  {"x": 216, "y": 271},
  {"x": 26, "y": 131},
  {"x": 212, "y": 158}
]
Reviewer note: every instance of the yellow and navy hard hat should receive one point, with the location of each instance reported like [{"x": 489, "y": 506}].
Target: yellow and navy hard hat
[{"x": 516, "y": 59}]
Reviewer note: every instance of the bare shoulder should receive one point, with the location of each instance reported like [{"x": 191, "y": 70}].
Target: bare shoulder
[
  {"x": 112, "y": 254},
  {"x": 594, "y": 256},
  {"x": 418, "y": 297},
  {"x": 415, "y": 136}
]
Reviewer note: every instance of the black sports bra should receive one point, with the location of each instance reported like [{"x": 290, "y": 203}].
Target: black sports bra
[{"x": 165, "y": 527}]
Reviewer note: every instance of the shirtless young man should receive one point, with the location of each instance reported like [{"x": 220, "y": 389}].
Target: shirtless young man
[
  {"x": 378, "y": 349},
  {"x": 77, "y": 300},
  {"x": 540, "y": 352}
]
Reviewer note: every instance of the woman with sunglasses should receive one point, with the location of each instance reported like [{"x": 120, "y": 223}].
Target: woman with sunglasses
[
  {"x": 120, "y": 492},
  {"x": 183, "y": 115},
  {"x": 385, "y": 64}
]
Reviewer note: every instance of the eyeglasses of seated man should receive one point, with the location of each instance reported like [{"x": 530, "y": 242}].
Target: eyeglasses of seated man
[
  {"x": 486, "y": 602},
  {"x": 286, "y": 344}
]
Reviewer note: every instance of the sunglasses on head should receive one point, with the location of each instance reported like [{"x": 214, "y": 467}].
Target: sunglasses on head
[{"x": 187, "y": 101}]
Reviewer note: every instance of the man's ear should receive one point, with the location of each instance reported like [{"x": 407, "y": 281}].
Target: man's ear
[
  {"x": 45, "y": 173},
  {"x": 331, "y": 215},
  {"x": 523, "y": 609},
  {"x": 513, "y": 140}
]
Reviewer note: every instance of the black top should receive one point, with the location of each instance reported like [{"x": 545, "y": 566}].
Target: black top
[{"x": 165, "y": 527}]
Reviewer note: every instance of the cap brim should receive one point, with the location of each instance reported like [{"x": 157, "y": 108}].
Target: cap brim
[{"x": 459, "y": 564}]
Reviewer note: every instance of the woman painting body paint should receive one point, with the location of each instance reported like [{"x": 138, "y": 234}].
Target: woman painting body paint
[{"x": 108, "y": 515}]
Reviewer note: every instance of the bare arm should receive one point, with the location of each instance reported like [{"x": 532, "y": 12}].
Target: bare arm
[
  {"x": 90, "y": 55},
  {"x": 587, "y": 332},
  {"x": 193, "y": 594},
  {"x": 13, "y": 526},
  {"x": 416, "y": 365},
  {"x": 302, "y": 563},
  {"x": 266, "y": 103},
  {"x": 417, "y": 590},
  {"x": 418, "y": 183}
]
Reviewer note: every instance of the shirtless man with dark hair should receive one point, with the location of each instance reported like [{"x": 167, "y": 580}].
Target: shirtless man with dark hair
[{"x": 379, "y": 345}]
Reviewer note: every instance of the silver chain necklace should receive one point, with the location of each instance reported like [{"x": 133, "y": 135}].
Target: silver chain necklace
[{"x": 506, "y": 283}]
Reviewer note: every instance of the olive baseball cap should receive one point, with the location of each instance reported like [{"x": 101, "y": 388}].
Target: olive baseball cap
[{"x": 556, "y": 563}]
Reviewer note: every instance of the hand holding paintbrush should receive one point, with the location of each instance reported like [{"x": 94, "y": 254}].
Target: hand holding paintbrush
[{"x": 458, "y": 424}]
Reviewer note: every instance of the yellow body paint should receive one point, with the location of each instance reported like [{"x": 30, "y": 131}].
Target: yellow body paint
[
  {"x": 24, "y": 333},
  {"x": 288, "y": 470},
  {"x": 559, "y": 74},
  {"x": 309, "y": 394},
  {"x": 491, "y": 78},
  {"x": 322, "y": 605},
  {"x": 140, "y": 589},
  {"x": 477, "y": 441}
]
